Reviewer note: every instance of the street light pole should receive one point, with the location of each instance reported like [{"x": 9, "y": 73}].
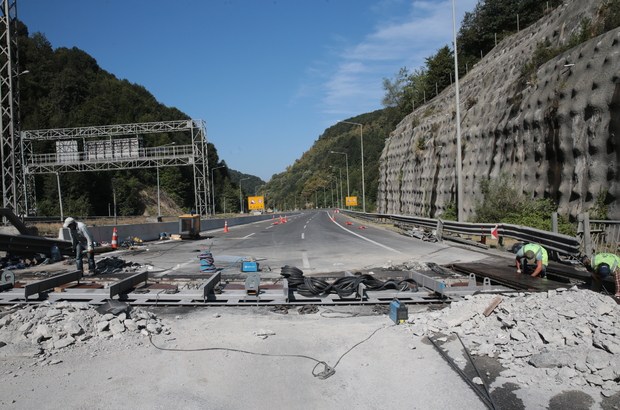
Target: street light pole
[
  {"x": 114, "y": 193},
  {"x": 347, "y": 162},
  {"x": 459, "y": 161},
  {"x": 338, "y": 184},
  {"x": 213, "y": 187},
  {"x": 240, "y": 200},
  {"x": 362, "y": 146}
]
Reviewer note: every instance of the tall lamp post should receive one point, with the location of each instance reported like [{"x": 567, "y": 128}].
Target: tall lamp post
[
  {"x": 362, "y": 146},
  {"x": 213, "y": 187},
  {"x": 347, "y": 162},
  {"x": 240, "y": 200},
  {"x": 114, "y": 194},
  {"x": 459, "y": 161},
  {"x": 339, "y": 184}
]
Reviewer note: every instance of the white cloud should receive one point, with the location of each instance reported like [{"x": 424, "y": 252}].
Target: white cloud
[{"x": 396, "y": 41}]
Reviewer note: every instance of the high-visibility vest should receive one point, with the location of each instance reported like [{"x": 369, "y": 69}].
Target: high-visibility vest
[
  {"x": 541, "y": 253},
  {"x": 609, "y": 258}
]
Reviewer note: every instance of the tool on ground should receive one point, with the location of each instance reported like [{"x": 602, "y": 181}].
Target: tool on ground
[
  {"x": 398, "y": 311},
  {"x": 250, "y": 266}
]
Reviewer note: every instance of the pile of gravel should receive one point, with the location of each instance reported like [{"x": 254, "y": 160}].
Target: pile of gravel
[
  {"x": 566, "y": 337},
  {"x": 44, "y": 329}
]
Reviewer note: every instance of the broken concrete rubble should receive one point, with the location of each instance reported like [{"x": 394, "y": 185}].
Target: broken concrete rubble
[
  {"x": 43, "y": 329},
  {"x": 570, "y": 337}
]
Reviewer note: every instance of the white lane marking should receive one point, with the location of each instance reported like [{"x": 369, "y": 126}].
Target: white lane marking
[
  {"x": 179, "y": 266},
  {"x": 247, "y": 236},
  {"x": 366, "y": 239},
  {"x": 305, "y": 226},
  {"x": 304, "y": 258},
  {"x": 302, "y": 235}
]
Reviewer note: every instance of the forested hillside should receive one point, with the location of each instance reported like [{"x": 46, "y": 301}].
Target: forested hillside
[{"x": 62, "y": 88}]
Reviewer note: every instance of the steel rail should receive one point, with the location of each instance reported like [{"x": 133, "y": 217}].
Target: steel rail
[{"x": 561, "y": 243}]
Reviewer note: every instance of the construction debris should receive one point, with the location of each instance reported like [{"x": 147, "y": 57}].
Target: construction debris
[
  {"x": 567, "y": 337},
  {"x": 41, "y": 330}
]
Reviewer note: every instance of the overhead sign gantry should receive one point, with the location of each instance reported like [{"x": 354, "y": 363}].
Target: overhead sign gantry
[{"x": 103, "y": 148}]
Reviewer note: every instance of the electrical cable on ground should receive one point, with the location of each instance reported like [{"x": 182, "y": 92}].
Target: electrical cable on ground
[
  {"x": 327, "y": 372},
  {"x": 344, "y": 286}
]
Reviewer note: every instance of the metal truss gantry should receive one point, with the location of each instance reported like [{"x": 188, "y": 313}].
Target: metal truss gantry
[
  {"x": 11, "y": 155},
  {"x": 152, "y": 157}
]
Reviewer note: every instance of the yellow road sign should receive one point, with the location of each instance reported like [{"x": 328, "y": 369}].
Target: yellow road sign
[
  {"x": 351, "y": 201},
  {"x": 256, "y": 202}
]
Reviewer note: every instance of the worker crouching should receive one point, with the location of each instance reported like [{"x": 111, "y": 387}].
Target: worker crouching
[
  {"x": 82, "y": 242},
  {"x": 534, "y": 255},
  {"x": 601, "y": 266}
]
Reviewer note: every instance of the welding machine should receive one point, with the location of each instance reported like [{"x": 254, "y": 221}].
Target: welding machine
[
  {"x": 398, "y": 311},
  {"x": 249, "y": 266}
]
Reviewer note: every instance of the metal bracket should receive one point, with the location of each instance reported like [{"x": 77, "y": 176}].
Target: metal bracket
[
  {"x": 8, "y": 280},
  {"x": 252, "y": 286}
]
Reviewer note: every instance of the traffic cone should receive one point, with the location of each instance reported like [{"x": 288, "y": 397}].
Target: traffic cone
[
  {"x": 333, "y": 219},
  {"x": 225, "y": 226},
  {"x": 114, "y": 239}
]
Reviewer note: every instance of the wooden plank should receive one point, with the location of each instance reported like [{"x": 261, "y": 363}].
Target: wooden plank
[{"x": 492, "y": 306}]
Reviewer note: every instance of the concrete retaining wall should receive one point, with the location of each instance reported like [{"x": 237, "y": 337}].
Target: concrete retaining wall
[{"x": 150, "y": 231}]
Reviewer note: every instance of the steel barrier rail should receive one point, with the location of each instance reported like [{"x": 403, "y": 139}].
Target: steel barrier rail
[
  {"x": 20, "y": 244},
  {"x": 551, "y": 241}
]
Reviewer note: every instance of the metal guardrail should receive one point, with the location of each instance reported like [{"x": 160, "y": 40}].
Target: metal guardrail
[
  {"x": 605, "y": 236},
  {"x": 564, "y": 244},
  {"x": 598, "y": 236}
]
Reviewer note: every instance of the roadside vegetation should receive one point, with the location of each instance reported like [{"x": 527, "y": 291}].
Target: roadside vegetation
[
  {"x": 607, "y": 18},
  {"x": 503, "y": 202}
]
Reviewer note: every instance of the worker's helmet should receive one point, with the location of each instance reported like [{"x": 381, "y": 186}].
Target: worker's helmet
[
  {"x": 603, "y": 270},
  {"x": 516, "y": 247},
  {"x": 68, "y": 222},
  {"x": 530, "y": 256}
]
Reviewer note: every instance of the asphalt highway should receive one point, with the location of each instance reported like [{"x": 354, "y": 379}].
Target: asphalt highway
[{"x": 310, "y": 241}]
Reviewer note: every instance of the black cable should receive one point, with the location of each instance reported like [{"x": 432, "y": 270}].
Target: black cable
[
  {"x": 344, "y": 287},
  {"x": 326, "y": 373},
  {"x": 357, "y": 344},
  {"x": 227, "y": 349}
]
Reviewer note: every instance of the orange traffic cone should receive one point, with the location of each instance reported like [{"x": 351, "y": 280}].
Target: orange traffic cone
[
  {"x": 225, "y": 226},
  {"x": 114, "y": 239},
  {"x": 333, "y": 220}
]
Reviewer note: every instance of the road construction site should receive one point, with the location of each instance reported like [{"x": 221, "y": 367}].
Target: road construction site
[
  {"x": 247, "y": 266},
  {"x": 153, "y": 324}
]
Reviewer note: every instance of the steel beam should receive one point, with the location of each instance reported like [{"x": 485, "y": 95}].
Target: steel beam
[
  {"x": 122, "y": 287},
  {"x": 49, "y": 283}
]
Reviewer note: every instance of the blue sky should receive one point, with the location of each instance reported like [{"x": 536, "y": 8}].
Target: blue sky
[{"x": 267, "y": 76}]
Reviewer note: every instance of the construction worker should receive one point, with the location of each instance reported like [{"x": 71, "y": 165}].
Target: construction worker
[
  {"x": 601, "y": 266},
  {"x": 534, "y": 254},
  {"x": 82, "y": 241}
]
